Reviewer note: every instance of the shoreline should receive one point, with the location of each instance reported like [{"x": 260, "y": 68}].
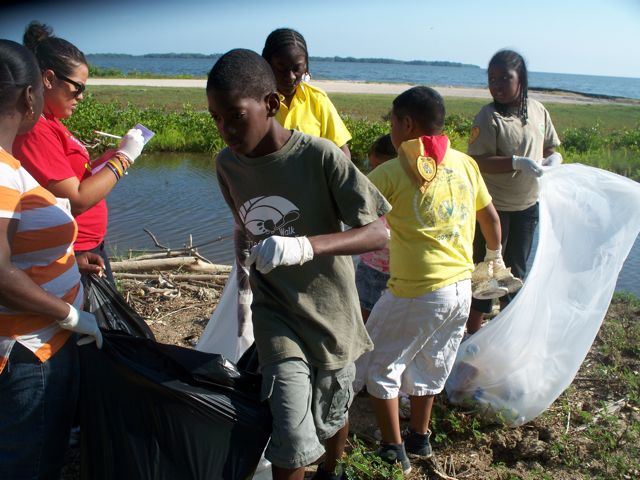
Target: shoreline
[{"x": 358, "y": 87}]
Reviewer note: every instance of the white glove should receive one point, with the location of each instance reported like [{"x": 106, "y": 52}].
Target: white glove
[
  {"x": 245, "y": 297},
  {"x": 275, "y": 251},
  {"x": 526, "y": 165},
  {"x": 131, "y": 144},
  {"x": 552, "y": 160},
  {"x": 84, "y": 323}
]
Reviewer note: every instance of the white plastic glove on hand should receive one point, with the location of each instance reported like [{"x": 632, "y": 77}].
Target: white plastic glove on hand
[
  {"x": 495, "y": 256},
  {"x": 131, "y": 144},
  {"x": 245, "y": 297},
  {"x": 275, "y": 251},
  {"x": 526, "y": 165},
  {"x": 552, "y": 160},
  {"x": 84, "y": 323}
]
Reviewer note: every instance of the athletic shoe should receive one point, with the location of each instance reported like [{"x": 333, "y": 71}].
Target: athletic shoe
[
  {"x": 395, "y": 453},
  {"x": 417, "y": 443}
]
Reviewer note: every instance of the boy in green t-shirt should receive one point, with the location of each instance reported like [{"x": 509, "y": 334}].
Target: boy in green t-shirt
[
  {"x": 288, "y": 193},
  {"x": 437, "y": 194}
]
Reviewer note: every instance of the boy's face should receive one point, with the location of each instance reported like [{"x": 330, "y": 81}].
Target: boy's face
[{"x": 243, "y": 122}]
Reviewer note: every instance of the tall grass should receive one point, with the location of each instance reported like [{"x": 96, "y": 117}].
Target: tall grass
[{"x": 189, "y": 129}]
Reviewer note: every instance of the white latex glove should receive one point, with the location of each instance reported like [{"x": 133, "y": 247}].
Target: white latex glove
[
  {"x": 131, "y": 144},
  {"x": 245, "y": 297},
  {"x": 495, "y": 257},
  {"x": 84, "y": 323},
  {"x": 552, "y": 160},
  {"x": 275, "y": 251},
  {"x": 526, "y": 165}
]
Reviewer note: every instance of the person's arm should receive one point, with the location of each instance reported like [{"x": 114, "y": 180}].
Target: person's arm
[
  {"x": 278, "y": 251},
  {"x": 489, "y": 222},
  {"x": 494, "y": 163},
  {"x": 17, "y": 290},
  {"x": 85, "y": 194},
  {"x": 345, "y": 149},
  {"x": 354, "y": 241}
]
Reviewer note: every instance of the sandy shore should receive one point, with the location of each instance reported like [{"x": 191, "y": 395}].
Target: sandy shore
[{"x": 343, "y": 86}]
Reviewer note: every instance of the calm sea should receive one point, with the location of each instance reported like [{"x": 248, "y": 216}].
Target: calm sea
[
  {"x": 379, "y": 72},
  {"x": 177, "y": 195}
]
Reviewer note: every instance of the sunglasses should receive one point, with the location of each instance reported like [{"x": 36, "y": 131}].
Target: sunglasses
[{"x": 80, "y": 87}]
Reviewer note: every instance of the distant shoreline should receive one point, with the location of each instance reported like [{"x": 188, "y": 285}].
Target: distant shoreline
[
  {"x": 337, "y": 59},
  {"x": 356, "y": 87}
]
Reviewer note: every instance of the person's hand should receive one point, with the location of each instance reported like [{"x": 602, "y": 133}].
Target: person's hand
[
  {"x": 131, "y": 144},
  {"x": 275, "y": 251},
  {"x": 526, "y": 165},
  {"x": 495, "y": 257},
  {"x": 84, "y": 323},
  {"x": 552, "y": 160},
  {"x": 245, "y": 297},
  {"x": 89, "y": 263}
]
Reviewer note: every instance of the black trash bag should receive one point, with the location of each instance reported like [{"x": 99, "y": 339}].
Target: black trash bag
[
  {"x": 111, "y": 310},
  {"x": 155, "y": 411}
]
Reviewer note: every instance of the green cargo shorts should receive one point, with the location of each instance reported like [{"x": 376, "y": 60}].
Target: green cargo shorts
[{"x": 308, "y": 406}]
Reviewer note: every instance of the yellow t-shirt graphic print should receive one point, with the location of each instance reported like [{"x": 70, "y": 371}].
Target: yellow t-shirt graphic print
[{"x": 432, "y": 228}]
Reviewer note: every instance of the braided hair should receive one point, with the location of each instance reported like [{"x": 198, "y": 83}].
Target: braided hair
[
  {"x": 52, "y": 52},
  {"x": 513, "y": 61},
  {"x": 282, "y": 39},
  {"x": 18, "y": 69}
]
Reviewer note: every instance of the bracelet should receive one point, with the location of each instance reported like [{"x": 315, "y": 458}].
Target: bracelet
[
  {"x": 113, "y": 169},
  {"x": 124, "y": 161},
  {"x": 116, "y": 165}
]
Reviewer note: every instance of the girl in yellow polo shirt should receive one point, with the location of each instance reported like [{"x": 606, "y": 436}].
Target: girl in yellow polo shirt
[{"x": 302, "y": 106}]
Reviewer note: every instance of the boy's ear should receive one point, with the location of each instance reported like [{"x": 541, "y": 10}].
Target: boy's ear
[
  {"x": 273, "y": 103},
  {"x": 407, "y": 125}
]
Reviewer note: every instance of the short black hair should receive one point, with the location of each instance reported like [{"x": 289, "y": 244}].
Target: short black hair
[
  {"x": 52, "y": 53},
  {"x": 383, "y": 147},
  {"x": 242, "y": 71},
  {"x": 513, "y": 60},
  {"x": 424, "y": 106},
  {"x": 18, "y": 69},
  {"x": 281, "y": 39}
]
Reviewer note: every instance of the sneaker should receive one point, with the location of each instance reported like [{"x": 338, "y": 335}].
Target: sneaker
[
  {"x": 417, "y": 443},
  {"x": 322, "y": 474},
  {"x": 395, "y": 453}
]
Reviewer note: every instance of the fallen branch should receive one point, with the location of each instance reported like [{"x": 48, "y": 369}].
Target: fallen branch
[
  {"x": 218, "y": 279},
  {"x": 187, "y": 263}
]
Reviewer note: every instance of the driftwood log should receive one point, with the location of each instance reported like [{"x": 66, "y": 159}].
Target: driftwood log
[{"x": 177, "y": 263}]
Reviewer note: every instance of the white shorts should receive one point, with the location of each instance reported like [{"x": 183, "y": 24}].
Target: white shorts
[{"x": 415, "y": 342}]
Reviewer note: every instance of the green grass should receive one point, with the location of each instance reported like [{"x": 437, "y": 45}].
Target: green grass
[{"x": 605, "y": 136}]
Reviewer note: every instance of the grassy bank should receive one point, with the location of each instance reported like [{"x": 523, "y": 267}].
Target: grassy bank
[{"x": 606, "y": 136}]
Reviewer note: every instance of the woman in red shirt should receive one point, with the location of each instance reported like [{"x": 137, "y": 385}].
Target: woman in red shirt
[{"x": 55, "y": 158}]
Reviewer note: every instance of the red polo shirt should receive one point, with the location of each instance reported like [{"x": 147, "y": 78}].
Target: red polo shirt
[{"x": 49, "y": 153}]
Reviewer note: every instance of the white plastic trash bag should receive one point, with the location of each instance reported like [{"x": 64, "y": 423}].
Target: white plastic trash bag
[
  {"x": 518, "y": 364},
  {"x": 221, "y": 333}
]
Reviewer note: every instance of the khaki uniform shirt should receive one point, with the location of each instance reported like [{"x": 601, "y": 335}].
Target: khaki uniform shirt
[{"x": 493, "y": 134}]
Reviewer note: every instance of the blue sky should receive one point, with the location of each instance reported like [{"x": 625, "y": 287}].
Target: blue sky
[{"x": 564, "y": 36}]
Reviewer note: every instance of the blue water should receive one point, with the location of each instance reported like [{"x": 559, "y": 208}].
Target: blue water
[{"x": 392, "y": 73}]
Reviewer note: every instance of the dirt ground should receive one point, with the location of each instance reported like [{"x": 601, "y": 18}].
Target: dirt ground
[{"x": 552, "y": 446}]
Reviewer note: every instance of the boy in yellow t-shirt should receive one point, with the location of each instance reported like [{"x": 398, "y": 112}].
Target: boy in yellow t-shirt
[{"x": 437, "y": 194}]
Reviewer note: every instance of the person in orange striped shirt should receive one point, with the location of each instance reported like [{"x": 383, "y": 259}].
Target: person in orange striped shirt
[{"x": 40, "y": 293}]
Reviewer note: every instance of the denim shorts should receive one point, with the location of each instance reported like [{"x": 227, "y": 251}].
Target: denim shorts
[
  {"x": 371, "y": 283},
  {"x": 309, "y": 405}
]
